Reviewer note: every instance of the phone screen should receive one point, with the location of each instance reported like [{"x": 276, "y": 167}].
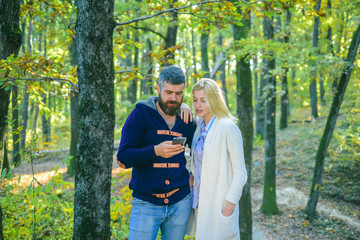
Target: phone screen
[{"x": 179, "y": 140}]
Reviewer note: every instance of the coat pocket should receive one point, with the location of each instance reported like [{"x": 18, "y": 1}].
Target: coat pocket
[{"x": 228, "y": 226}]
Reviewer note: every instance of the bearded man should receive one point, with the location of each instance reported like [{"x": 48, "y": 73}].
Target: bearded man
[{"x": 160, "y": 180}]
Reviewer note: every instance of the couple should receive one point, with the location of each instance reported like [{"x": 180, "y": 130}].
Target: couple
[{"x": 160, "y": 179}]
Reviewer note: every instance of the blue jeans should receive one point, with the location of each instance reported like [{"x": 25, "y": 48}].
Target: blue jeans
[{"x": 146, "y": 219}]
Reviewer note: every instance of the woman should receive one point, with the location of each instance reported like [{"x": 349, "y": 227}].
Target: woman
[{"x": 217, "y": 165}]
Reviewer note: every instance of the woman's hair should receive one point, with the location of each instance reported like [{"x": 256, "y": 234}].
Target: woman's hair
[{"x": 215, "y": 98}]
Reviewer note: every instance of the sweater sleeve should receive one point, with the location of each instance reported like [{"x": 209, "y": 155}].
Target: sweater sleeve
[
  {"x": 235, "y": 149},
  {"x": 130, "y": 153}
]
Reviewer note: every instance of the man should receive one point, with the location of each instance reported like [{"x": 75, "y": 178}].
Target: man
[{"x": 160, "y": 180}]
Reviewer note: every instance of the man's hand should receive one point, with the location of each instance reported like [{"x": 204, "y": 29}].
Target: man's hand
[
  {"x": 185, "y": 113},
  {"x": 167, "y": 150},
  {"x": 228, "y": 209}
]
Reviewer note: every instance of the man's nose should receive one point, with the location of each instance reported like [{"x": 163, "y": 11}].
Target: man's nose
[{"x": 173, "y": 97}]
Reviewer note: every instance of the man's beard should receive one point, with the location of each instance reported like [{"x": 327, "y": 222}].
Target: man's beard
[{"x": 169, "y": 110}]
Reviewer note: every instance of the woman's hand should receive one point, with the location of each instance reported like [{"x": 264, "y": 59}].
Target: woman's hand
[
  {"x": 185, "y": 113},
  {"x": 191, "y": 181},
  {"x": 228, "y": 209}
]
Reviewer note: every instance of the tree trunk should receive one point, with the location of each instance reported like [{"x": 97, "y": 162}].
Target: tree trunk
[
  {"x": 15, "y": 127},
  {"x": 284, "y": 82},
  {"x": 25, "y": 116},
  {"x": 255, "y": 61},
  {"x": 260, "y": 107},
  {"x": 330, "y": 125},
  {"x": 204, "y": 39},
  {"x": 94, "y": 40},
  {"x": 170, "y": 40},
  {"x": 148, "y": 86},
  {"x": 322, "y": 90},
  {"x": 313, "y": 73},
  {"x": 193, "y": 53},
  {"x": 245, "y": 115},
  {"x": 10, "y": 43},
  {"x": 30, "y": 35},
  {"x": 223, "y": 73},
  {"x": 45, "y": 124},
  {"x": 74, "y": 108},
  {"x": 6, "y": 163},
  {"x": 269, "y": 205},
  {"x": 36, "y": 114}
]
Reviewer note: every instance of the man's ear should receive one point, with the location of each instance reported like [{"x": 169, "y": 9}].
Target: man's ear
[{"x": 158, "y": 88}]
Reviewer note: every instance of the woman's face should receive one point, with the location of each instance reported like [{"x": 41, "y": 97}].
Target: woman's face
[{"x": 201, "y": 104}]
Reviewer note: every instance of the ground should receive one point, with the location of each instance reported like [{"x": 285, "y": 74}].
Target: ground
[{"x": 338, "y": 210}]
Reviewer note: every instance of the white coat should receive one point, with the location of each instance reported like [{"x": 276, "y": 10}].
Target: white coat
[{"x": 223, "y": 176}]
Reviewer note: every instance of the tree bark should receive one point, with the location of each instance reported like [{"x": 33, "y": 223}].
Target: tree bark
[
  {"x": 10, "y": 43},
  {"x": 15, "y": 127},
  {"x": 269, "y": 205},
  {"x": 313, "y": 73},
  {"x": 260, "y": 107},
  {"x": 74, "y": 102},
  {"x": 45, "y": 124},
  {"x": 25, "y": 116},
  {"x": 170, "y": 40},
  {"x": 193, "y": 54},
  {"x": 94, "y": 39},
  {"x": 284, "y": 82},
  {"x": 204, "y": 39},
  {"x": 223, "y": 73},
  {"x": 330, "y": 125},
  {"x": 245, "y": 115}
]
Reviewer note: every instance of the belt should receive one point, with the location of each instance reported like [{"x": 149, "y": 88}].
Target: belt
[
  {"x": 167, "y": 132},
  {"x": 166, "y": 195},
  {"x": 166, "y": 165}
]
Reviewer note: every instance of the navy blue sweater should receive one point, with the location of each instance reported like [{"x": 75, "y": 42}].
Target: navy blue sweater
[{"x": 143, "y": 129}]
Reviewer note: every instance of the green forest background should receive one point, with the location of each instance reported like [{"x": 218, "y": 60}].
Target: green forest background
[{"x": 294, "y": 53}]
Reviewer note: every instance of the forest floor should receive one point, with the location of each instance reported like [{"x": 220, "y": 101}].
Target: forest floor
[{"x": 338, "y": 209}]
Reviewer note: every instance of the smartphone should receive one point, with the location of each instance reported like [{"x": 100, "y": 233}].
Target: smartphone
[{"x": 179, "y": 140}]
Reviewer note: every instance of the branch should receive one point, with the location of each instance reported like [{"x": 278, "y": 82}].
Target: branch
[
  {"x": 61, "y": 80},
  {"x": 150, "y": 30},
  {"x": 220, "y": 61},
  {"x": 162, "y": 12}
]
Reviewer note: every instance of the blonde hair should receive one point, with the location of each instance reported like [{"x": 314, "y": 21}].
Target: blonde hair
[{"x": 215, "y": 98}]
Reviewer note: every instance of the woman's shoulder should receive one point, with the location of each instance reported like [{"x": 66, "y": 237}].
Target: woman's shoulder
[{"x": 225, "y": 121}]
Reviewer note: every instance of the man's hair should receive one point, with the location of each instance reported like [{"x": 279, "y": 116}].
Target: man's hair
[{"x": 172, "y": 74}]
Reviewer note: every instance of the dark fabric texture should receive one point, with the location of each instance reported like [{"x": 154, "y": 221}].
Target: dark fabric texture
[{"x": 136, "y": 150}]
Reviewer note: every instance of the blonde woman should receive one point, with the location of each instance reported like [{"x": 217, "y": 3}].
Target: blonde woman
[{"x": 217, "y": 165}]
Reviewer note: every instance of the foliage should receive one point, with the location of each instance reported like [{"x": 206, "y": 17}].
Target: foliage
[{"x": 53, "y": 204}]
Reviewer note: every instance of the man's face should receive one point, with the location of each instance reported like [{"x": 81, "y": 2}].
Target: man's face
[{"x": 170, "y": 98}]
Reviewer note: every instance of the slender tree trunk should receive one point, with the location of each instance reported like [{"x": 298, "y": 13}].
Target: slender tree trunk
[
  {"x": 330, "y": 125},
  {"x": 30, "y": 35},
  {"x": 223, "y": 73},
  {"x": 10, "y": 43},
  {"x": 322, "y": 90},
  {"x": 255, "y": 61},
  {"x": 170, "y": 40},
  {"x": 5, "y": 164},
  {"x": 193, "y": 54},
  {"x": 25, "y": 116},
  {"x": 269, "y": 205},
  {"x": 36, "y": 114},
  {"x": 245, "y": 115},
  {"x": 94, "y": 40},
  {"x": 284, "y": 82},
  {"x": 293, "y": 82},
  {"x": 45, "y": 124},
  {"x": 260, "y": 107},
  {"x": 149, "y": 75},
  {"x": 313, "y": 73},
  {"x": 15, "y": 127},
  {"x": 204, "y": 39}
]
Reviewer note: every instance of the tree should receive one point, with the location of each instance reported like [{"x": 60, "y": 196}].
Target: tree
[
  {"x": 245, "y": 115},
  {"x": 204, "y": 39},
  {"x": 330, "y": 125},
  {"x": 313, "y": 92},
  {"x": 284, "y": 82},
  {"x": 15, "y": 126},
  {"x": 94, "y": 41},
  {"x": 269, "y": 198},
  {"x": 10, "y": 43}
]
